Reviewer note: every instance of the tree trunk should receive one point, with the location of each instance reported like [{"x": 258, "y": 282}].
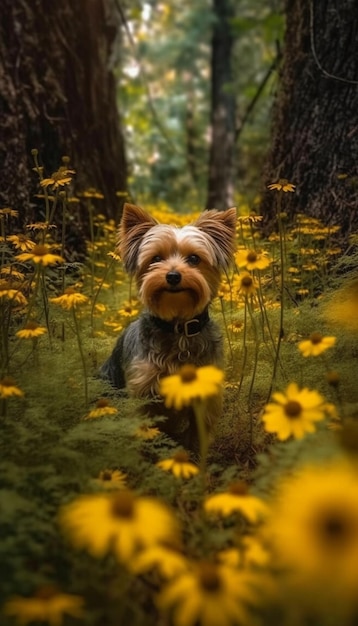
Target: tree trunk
[
  {"x": 58, "y": 95},
  {"x": 223, "y": 106},
  {"x": 315, "y": 131}
]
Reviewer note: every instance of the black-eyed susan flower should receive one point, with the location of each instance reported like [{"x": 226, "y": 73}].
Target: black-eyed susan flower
[
  {"x": 252, "y": 259},
  {"x": 70, "y": 299},
  {"x": 250, "y": 552},
  {"x": 31, "y": 330},
  {"x": 40, "y": 255},
  {"x": 210, "y": 595},
  {"x": 246, "y": 284},
  {"x": 165, "y": 559},
  {"x": 281, "y": 185},
  {"x": 179, "y": 465},
  {"x": 314, "y": 533},
  {"x": 236, "y": 499},
  {"x": 316, "y": 344},
  {"x": 8, "y": 388},
  {"x": 7, "y": 212},
  {"x": 294, "y": 412},
  {"x": 102, "y": 409},
  {"x": 342, "y": 308},
  {"x": 189, "y": 384},
  {"x": 21, "y": 242},
  {"x": 147, "y": 432},
  {"x": 128, "y": 311},
  {"x": 119, "y": 522},
  {"x": 62, "y": 177},
  {"x": 48, "y": 605},
  {"x": 110, "y": 479},
  {"x": 7, "y": 292}
]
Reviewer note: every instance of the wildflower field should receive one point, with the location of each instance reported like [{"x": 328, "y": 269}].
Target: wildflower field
[{"x": 105, "y": 520}]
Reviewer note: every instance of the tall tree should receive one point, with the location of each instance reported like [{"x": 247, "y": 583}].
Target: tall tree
[
  {"x": 315, "y": 132},
  {"x": 223, "y": 106},
  {"x": 58, "y": 94}
]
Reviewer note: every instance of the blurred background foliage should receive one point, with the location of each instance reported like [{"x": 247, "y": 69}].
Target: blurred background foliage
[{"x": 164, "y": 91}]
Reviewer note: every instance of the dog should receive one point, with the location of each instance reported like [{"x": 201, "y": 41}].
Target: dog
[{"x": 177, "y": 271}]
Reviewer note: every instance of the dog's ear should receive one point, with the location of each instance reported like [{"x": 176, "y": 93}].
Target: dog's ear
[
  {"x": 220, "y": 228},
  {"x": 134, "y": 225}
]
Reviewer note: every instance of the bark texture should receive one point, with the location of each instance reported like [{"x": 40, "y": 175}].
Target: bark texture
[
  {"x": 58, "y": 94},
  {"x": 223, "y": 108},
  {"x": 315, "y": 129}
]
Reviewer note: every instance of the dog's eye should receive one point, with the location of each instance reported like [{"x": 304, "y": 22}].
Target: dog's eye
[
  {"x": 156, "y": 259},
  {"x": 193, "y": 259}
]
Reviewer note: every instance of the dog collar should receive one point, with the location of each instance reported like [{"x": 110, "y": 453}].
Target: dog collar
[{"x": 190, "y": 328}]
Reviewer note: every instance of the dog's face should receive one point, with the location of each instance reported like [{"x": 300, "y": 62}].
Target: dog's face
[{"x": 177, "y": 269}]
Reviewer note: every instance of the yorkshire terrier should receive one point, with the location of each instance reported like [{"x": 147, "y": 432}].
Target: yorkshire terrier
[{"x": 177, "y": 271}]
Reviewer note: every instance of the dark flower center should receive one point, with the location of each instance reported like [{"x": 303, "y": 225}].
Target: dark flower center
[
  {"x": 252, "y": 256},
  {"x": 181, "y": 457},
  {"x": 316, "y": 338},
  {"x": 123, "y": 505},
  {"x": 101, "y": 403},
  {"x": 246, "y": 281},
  {"x": 293, "y": 409},
  {"x": 209, "y": 577},
  {"x": 106, "y": 475},
  {"x": 188, "y": 373},
  {"x": 335, "y": 529},
  {"x": 40, "y": 250},
  {"x": 239, "y": 488}
]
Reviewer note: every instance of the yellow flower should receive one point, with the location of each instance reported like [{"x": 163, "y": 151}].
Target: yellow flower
[
  {"x": 210, "y": 595},
  {"x": 236, "y": 500},
  {"x": 31, "y": 330},
  {"x": 128, "y": 311},
  {"x": 7, "y": 292},
  {"x": 179, "y": 465},
  {"x": 235, "y": 326},
  {"x": 314, "y": 532},
  {"x": 118, "y": 522},
  {"x": 282, "y": 185},
  {"x": 71, "y": 299},
  {"x": 147, "y": 432},
  {"x": 91, "y": 192},
  {"x": 247, "y": 285},
  {"x": 110, "y": 479},
  {"x": 101, "y": 409},
  {"x": 168, "y": 561},
  {"x": 41, "y": 255},
  {"x": 342, "y": 308},
  {"x": 48, "y": 605},
  {"x": 252, "y": 259},
  {"x": 21, "y": 242},
  {"x": 294, "y": 413},
  {"x": 251, "y": 552},
  {"x": 189, "y": 384},
  {"x": 62, "y": 177},
  {"x": 8, "y": 388},
  {"x": 316, "y": 344},
  {"x": 7, "y": 212}
]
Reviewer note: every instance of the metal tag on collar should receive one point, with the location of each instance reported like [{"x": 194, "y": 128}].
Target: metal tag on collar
[{"x": 183, "y": 328}]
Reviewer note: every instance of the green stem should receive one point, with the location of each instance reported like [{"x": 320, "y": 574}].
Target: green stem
[
  {"x": 199, "y": 411},
  {"x": 78, "y": 334}
]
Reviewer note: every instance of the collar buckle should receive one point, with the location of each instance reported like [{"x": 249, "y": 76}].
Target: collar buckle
[{"x": 190, "y": 328}]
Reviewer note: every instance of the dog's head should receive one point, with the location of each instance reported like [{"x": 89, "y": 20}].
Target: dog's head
[{"x": 177, "y": 269}]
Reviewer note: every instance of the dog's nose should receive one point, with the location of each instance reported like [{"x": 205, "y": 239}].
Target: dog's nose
[{"x": 173, "y": 278}]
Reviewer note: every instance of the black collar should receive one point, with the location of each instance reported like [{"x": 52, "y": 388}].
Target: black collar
[{"x": 190, "y": 328}]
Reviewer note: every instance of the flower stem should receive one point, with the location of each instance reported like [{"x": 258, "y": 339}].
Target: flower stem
[{"x": 78, "y": 334}]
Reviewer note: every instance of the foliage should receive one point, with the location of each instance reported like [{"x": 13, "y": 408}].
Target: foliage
[{"x": 165, "y": 95}]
